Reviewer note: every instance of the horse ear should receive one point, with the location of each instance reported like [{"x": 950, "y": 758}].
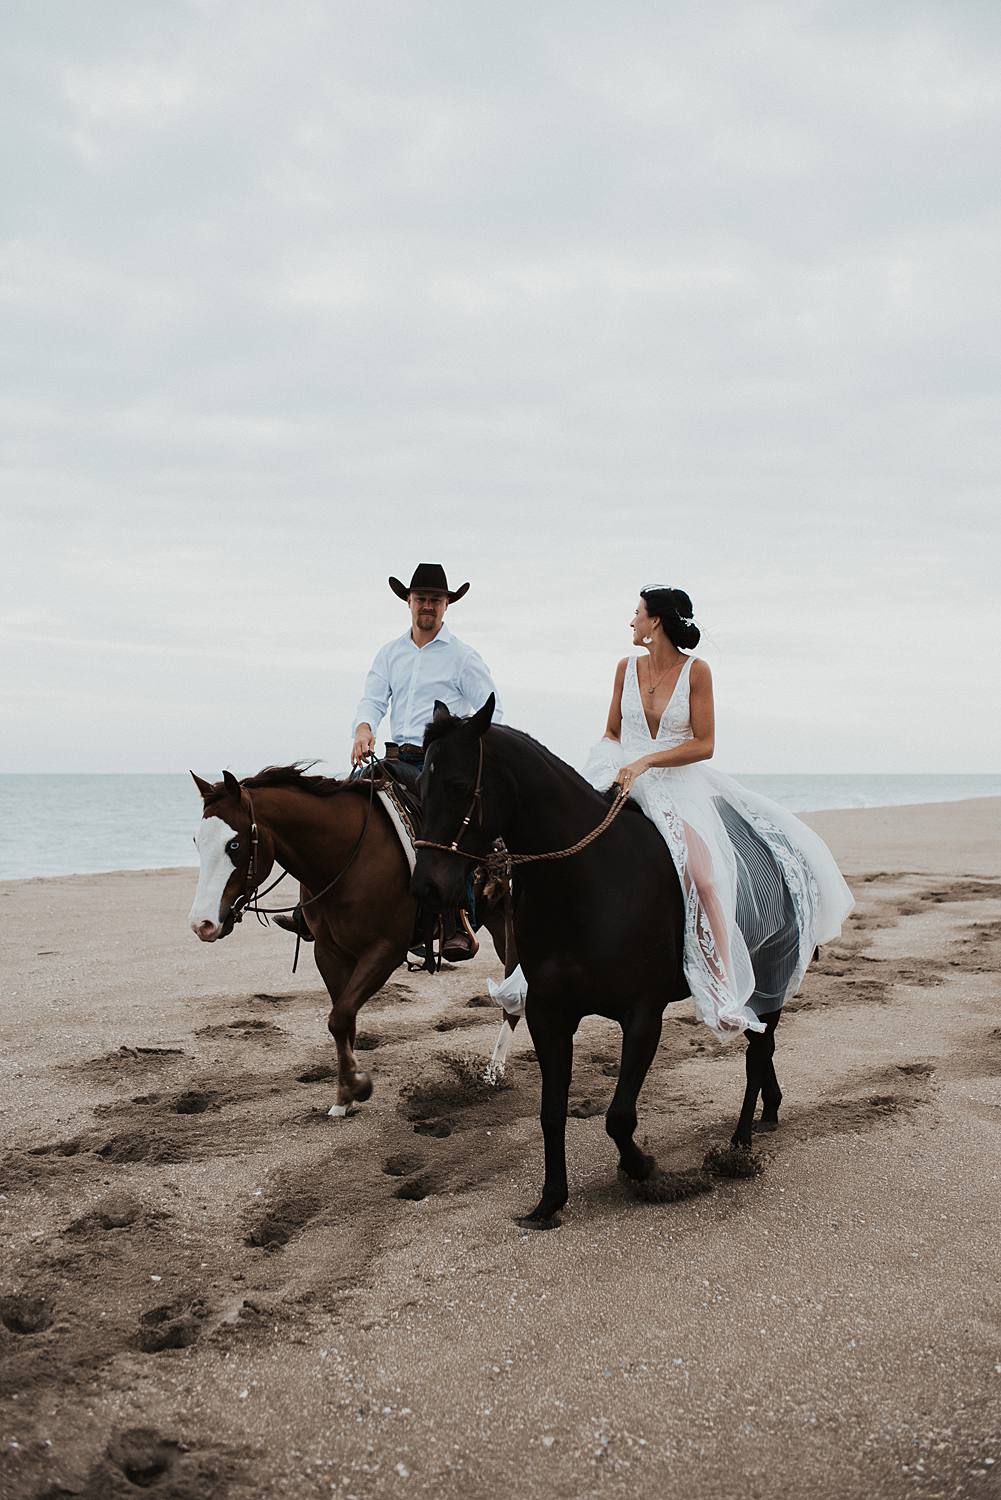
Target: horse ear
[
  {"x": 480, "y": 722},
  {"x": 232, "y": 785},
  {"x": 205, "y": 787},
  {"x": 440, "y": 711}
]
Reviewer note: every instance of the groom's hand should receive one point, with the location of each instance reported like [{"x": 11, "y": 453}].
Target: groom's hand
[{"x": 364, "y": 744}]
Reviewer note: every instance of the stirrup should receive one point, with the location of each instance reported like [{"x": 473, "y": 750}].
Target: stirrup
[
  {"x": 462, "y": 944},
  {"x": 295, "y": 923}
]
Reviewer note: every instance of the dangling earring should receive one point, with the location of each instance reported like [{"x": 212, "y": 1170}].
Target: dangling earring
[{"x": 648, "y": 640}]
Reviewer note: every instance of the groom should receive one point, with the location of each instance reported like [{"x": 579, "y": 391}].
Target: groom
[
  {"x": 426, "y": 663},
  {"x": 408, "y": 674}
]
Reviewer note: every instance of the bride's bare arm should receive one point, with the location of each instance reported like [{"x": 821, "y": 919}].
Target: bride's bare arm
[{"x": 613, "y": 729}]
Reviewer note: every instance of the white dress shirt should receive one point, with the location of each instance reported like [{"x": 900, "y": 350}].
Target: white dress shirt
[{"x": 411, "y": 677}]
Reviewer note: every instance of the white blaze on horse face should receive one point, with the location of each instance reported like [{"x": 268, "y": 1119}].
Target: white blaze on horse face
[{"x": 216, "y": 868}]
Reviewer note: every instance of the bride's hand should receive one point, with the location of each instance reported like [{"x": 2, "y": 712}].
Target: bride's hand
[{"x": 628, "y": 774}]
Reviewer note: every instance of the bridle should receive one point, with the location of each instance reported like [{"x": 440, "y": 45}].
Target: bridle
[
  {"x": 250, "y": 897},
  {"x": 475, "y": 805}
]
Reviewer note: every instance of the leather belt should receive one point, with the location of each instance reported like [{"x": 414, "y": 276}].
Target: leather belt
[{"x": 398, "y": 752}]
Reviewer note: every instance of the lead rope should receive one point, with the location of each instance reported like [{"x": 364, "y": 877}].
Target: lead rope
[{"x": 501, "y": 861}]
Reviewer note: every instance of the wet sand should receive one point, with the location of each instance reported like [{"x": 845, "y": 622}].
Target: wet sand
[{"x": 210, "y": 1289}]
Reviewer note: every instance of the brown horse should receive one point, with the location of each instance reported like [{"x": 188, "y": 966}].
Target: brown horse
[{"x": 338, "y": 843}]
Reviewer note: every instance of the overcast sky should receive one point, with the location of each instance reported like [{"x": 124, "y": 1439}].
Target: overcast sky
[{"x": 573, "y": 297}]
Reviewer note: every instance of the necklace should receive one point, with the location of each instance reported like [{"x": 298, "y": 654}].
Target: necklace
[{"x": 656, "y": 682}]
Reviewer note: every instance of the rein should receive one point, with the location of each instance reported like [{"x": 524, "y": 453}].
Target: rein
[
  {"x": 501, "y": 861},
  {"x": 251, "y": 897}
]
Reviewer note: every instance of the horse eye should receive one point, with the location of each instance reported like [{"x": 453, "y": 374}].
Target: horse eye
[{"x": 232, "y": 846}]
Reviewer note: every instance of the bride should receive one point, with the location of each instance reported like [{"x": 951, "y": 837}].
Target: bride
[
  {"x": 761, "y": 889},
  {"x": 756, "y": 880}
]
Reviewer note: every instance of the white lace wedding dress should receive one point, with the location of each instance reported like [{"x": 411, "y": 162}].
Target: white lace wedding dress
[{"x": 761, "y": 890}]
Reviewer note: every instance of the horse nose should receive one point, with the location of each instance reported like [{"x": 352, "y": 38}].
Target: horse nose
[
  {"x": 206, "y": 930},
  {"x": 430, "y": 886}
]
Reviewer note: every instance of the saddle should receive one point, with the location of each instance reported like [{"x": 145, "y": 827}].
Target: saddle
[
  {"x": 396, "y": 780},
  {"x": 399, "y": 779}
]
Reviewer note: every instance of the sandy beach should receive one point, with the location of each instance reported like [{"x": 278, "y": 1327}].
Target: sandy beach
[{"x": 211, "y": 1289}]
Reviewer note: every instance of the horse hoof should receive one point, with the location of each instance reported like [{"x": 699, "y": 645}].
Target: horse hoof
[
  {"x": 644, "y": 1169},
  {"x": 361, "y": 1088},
  {"x": 765, "y": 1126},
  {"x": 539, "y": 1221}
]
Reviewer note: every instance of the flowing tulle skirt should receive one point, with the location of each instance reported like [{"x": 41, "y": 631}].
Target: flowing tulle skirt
[{"x": 761, "y": 889}]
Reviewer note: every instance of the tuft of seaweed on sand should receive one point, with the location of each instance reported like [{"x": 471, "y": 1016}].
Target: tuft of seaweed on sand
[{"x": 731, "y": 1161}]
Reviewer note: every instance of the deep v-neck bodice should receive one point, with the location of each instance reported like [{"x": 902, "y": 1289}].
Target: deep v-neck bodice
[{"x": 674, "y": 724}]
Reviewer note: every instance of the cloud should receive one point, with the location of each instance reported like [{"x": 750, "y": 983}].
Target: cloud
[{"x": 568, "y": 297}]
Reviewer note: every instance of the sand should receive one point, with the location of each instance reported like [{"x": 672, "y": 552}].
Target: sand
[{"x": 210, "y": 1289}]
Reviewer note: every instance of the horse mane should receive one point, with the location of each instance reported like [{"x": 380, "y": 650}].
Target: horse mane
[{"x": 294, "y": 778}]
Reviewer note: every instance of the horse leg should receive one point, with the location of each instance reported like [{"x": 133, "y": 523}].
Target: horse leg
[
  {"x": 493, "y": 918},
  {"x": 553, "y": 1041},
  {"x": 349, "y": 986},
  {"x": 760, "y": 1080},
  {"x": 640, "y": 1040},
  {"x": 771, "y": 1094}
]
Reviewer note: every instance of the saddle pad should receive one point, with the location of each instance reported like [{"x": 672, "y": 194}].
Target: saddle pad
[{"x": 401, "y": 823}]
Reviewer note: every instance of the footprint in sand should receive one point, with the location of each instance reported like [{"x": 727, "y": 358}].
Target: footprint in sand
[
  {"x": 245, "y": 1029},
  {"x": 368, "y": 1041},
  {"x": 283, "y": 1218},
  {"x": 60, "y": 1148},
  {"x": 125, "y": 1059},
  {"x": 437, "y": 1129},
  {"x": 172, "y": 1325},
  {"x": 850, "y": 1116},
  {"x": 415, "y": 1189},
  {"x": 585, "y": 1109},
  {"x": 118, "y": 1211},
  {"x": 194, "y": 1102},
  {"x": 140, "y": 1458},
  {"x": 460, "y": 1023},
  {"x": 402, "y": 1166},
  {"x": 21, "y": 1313},
  {"x": 138, "y": 1146},
  {"x": 142, "y": 1455},
  {"x": 318, "y": 1073}
]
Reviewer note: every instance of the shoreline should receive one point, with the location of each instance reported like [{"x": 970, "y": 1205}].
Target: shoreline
[{"x": 847, "y": 829}]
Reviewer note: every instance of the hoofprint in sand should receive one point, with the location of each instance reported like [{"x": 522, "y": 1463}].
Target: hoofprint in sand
[{"x": 211, "y": 1289}]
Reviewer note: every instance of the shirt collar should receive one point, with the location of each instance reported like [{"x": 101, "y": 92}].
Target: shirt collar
[{"x": 444, "y": 636}]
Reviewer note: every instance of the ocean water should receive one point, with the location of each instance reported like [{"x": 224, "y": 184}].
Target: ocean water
[{"x": 78, "y": 825}]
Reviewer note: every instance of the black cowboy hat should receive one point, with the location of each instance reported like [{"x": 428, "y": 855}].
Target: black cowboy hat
[{"x": 428, "y": 578}]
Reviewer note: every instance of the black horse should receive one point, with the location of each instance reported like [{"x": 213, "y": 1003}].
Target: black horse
[{"x": 598, "y": 933}]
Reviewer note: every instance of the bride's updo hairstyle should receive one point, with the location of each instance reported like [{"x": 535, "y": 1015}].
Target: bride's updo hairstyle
[{"x": 673, "y": 608}]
